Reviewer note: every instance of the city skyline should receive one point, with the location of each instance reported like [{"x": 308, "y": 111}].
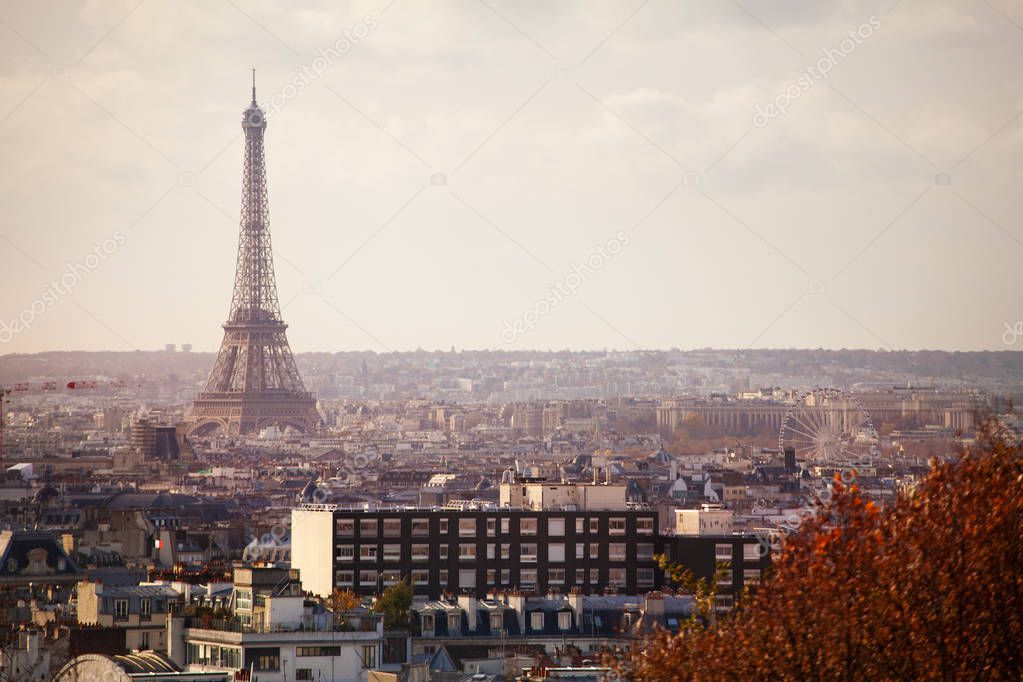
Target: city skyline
[{"x": 514, "y": 178}]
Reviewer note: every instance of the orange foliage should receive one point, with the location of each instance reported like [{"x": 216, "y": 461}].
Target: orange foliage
[{"x": 930, "y": 587}]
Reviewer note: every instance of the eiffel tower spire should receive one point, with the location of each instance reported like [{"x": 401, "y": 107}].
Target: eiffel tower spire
[{"x": 255, "y": 381}]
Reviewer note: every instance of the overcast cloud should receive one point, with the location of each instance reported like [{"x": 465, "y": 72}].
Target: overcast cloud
[{"x": 463, "y": 157}]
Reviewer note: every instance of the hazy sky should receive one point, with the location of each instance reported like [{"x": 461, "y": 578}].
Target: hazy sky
[{"x": 560, "y": 131}]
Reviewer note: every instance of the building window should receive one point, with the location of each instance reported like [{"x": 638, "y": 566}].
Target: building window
[
  {"x": 466, "y": 528},
  {"x": 645, "y": 525},
  {"x": 527, "y": 552},
  {"x": 264, "y": 659},
  {"x": 467, "y": 578},
  {"x": 506, "y": 551},
  {"x": 565, "y": 620},
  {"x": 556, "y": 552},
  {"x": 751, "y": 551},
  {"x": 421, "y": 577},
  {"x": 496, "y": 622},
  {"x": 392, "y": 528},
  {"x": 723, "y": 552},
  {"x": 491, "y": 577},
  {"x": 318, "y": 651},
  {"x": 751, "y": 576},
  {"x": 345, "y": 577},
  {"x": 556, "y": 527},
  {"x": 146, "y": 610},
  {"x": 444, "y": 578},
  {"x": 505, "y": 525},
  {"x": 443, "y": 526},
  {"x": 645, "y": 577},
  {"x": 454, "y": 623},
  {"x": 594, "y": 526},
  {"x": 616, "y": 525},
  {"x": 616, "y": 551},
  {"x": 420, "y": 552},
  {"x": 369, "y": 656},
  {"x": 580, "y": 576},
  {"x": 491, "y": 551},
  {"x": 392, "y": 552},
  {"x": 616, "y": 577},
  {"x": 556, "y": 576},
  {"x": 346, "y": 527},
  {"x": 505, "y": 576},
  {"x": 580, "y": 525},
  {"x": 466, "y": 552},
  {"x": 644, "y": 551},
  {"x": 303, "y": 673},
  {"x": 144, "y": 644},
  {"x": 527, "y": 576},
  {"x": 120, "y": 609},
  {"x": 527, "y": 526},
  {"x": 368, "y": 552},
  {"x": 427, "y": 622},
  {"x": 594, "y": 576},
  {"x": 594, "y": 550},
  {"x": 491, "y": 527},
  {"x": 443, "y": 552},
  {"x": 346, "y": 553},
  {"x": 368, "y": 528},
  {"x": 580, "y": 550},
  {"x": 421, "y": 528},
  {"x": 536, "y": 620},
  {"x": 391, "y": 577},
  {"x": 367, "y": 578}
]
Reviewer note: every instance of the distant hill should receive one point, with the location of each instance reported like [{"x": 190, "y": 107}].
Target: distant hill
[{"x": 1002, "y": 366}]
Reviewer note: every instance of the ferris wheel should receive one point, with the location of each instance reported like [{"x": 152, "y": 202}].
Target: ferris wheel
[{"x": 828, "y": 425}]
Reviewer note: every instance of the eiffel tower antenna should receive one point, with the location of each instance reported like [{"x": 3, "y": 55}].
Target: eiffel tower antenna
[{"x": 255, "y": 382}]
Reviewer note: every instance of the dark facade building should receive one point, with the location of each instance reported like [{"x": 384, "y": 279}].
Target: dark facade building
[{"x": 476, "y": 551}]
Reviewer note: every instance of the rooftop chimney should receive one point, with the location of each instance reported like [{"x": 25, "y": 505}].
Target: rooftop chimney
[
  {"x": 575, "y": 602},
  {"x": 653, "y": 604},
  {"x": 790, "y": 460},
  {"x": 468, "y": 604}
]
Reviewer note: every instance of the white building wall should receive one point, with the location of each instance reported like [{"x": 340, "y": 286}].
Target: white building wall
[
  {"x": 703, "y": 522},
  {"x": 312, "y": 549},
  {"x": 550, "y": 495},
  {"x": 347, "y": 667}
]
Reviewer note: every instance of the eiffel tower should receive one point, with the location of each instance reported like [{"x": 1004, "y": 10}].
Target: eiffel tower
[{"x": 254, "y": 382}]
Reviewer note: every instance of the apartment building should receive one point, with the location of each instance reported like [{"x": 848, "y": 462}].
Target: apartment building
[
  {"x": 273, "y": 632},
  {"x": 476, "y": 551},
  {"x": 140, "y": 609}
]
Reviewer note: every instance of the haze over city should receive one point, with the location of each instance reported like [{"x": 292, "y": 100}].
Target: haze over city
[
  {"x": 492, "y": 341},
  {"x": 552, "y": 129}
]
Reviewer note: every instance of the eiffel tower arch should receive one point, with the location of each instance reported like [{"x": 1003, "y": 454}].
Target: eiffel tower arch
[{"x": 255, "y": 382}]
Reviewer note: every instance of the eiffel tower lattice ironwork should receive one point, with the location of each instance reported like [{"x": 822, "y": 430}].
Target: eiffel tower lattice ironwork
[{"x": 255, "y": 382}]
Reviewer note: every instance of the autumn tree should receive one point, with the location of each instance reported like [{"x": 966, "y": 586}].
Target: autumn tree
[
  {"x": 341, "y": 603},
  {"x": 394, "y": 604},
  {"x": 930, "y": 587}
]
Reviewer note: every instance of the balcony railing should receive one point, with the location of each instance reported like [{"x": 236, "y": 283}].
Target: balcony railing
[{"x": 361, "y": 623}]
